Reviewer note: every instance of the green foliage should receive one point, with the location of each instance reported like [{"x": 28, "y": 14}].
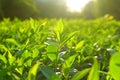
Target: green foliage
[
  {"x": 48, "y": 73},
  {"x": 33, "y": 71},
  {"x": 115, "y": 66},
  {"x": 67, "y": 65},
  {"x": 52, "y": 52},
  {"x": 94, "y": 73},
  {"x": 79, "y": 75},
  {"x": 51, "y": 49}
]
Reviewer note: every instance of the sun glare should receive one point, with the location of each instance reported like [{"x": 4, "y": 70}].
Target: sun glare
[{"x": 76, "y": 5}]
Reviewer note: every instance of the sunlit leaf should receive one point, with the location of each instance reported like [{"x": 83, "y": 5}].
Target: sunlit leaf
[
  {"x": 3, "y": 58},
  {"x": 68, "y": 63},
  {"x": 59, "y": 29},
  {"x": 68, "y": 37},
  {"x": 115, "y": 66},
  {"x": 3, "y": 47},
  {"x": 52, "y": 50},
  {"x": 13, "y": 41},
  {"x": 11, "y": 58},
  {"x": 79, "y": 45},
  {"x": 94, "y": 73},
  {"x": 33, "y": 72},
  {"x": 60, "y": 26},
  {"x": 79, "y": 75}
]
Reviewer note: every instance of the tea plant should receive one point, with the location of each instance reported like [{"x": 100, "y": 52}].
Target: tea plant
[{"x": 51, "y": 49}]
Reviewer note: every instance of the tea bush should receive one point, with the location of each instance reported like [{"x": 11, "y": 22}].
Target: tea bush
[{"x": 51, "y": 49}]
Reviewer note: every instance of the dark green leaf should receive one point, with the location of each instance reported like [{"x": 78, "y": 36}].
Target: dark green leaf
[{"x": 48, "y": 72}]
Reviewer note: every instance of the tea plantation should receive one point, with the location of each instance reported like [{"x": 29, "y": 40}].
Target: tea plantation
[{"x": 52, "y": 49}]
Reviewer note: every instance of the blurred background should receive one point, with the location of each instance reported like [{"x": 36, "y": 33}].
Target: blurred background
[{"x": 87, "y": 9}]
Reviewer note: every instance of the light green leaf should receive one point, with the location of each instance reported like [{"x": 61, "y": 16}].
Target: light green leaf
[
  {"x": 67, "y": 38},
  {"x": 70, "y": 60},
  {"x": 3, "y": 47},
  {"x": 115, "y": 66},
  {"x": 32, "y": 23},
  {"x": 59, "y": 29},
  {"x": 79, "y": 45},
  {"x": 33, "y": 72},
  {"x": 52, "y": 50},
  {"x": 68, "y": 63},
  {"x": 35, "y": 53},
  {"x": 11, "y": 58},
  {"x": 94, "y": 73},
  {"x": 60, "y": 26},
  {"x": 13, "y": 41},
  {"x": 26, "y": 54},
  {"x": 3, "y": 58},
  {"x": 79, "y": 75}
]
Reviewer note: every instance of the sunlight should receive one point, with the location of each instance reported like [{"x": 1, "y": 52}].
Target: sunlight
[{"x": 76, "y": 5}]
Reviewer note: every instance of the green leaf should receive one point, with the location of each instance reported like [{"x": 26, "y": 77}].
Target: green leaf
[
  {"x": 70, "y": 60},
  {"x": 33, "y": 72},
  {"x": 26, "y": 56},
  {"x": 3, "y": 58},
  {"x": 79, "y": 75},
  {"x": 54, "y": 77},
  {"x": 19, "y": 70},
  {"x": 3, "y": 47},
  {"x": 94, "y": 73},
  {"x": 48, "y": 72},
  {"x": 79, "y": 45},
  {"x": 32, "y": 23},
  {"x": 60, "y": 26},
  {"x": 13, "y": 41},
  {"x": 52, "y": 50},
  {"x": 68, "y": 63},
  {"x": 67, "y": 38},
  {"x": 35, "y": 53},
  {"x": 11, "y": 58},
  {"x": 114, "y": 67},
  {"x": 59, "y": 29}
]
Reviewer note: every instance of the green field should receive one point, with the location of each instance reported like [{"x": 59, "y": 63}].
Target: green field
[{"x": 52, "y": 49}]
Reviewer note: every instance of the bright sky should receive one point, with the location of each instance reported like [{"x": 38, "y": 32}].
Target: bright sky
[{"x": 76, "y": 5}]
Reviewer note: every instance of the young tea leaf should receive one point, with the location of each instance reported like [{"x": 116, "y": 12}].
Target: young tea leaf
[
  {"x": 79, "y": 45},
  {"x": 52, "y": 52},
  {"x": 3, "y": 58},
  {"x": 68, "y": 37},
  {"x": 58, "y": 29},
  {"x": 79, "y": 75},
  {"x": 13, "y": 41},
  {"x": 68, "y": 63},
  {"x": 11, "y": 58},
  {"x": 60, "y": 26},
  {"x": 114, "y": 67},
  {"x": 94, "y": 73},
  {"x": 33, "y": 72}
]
